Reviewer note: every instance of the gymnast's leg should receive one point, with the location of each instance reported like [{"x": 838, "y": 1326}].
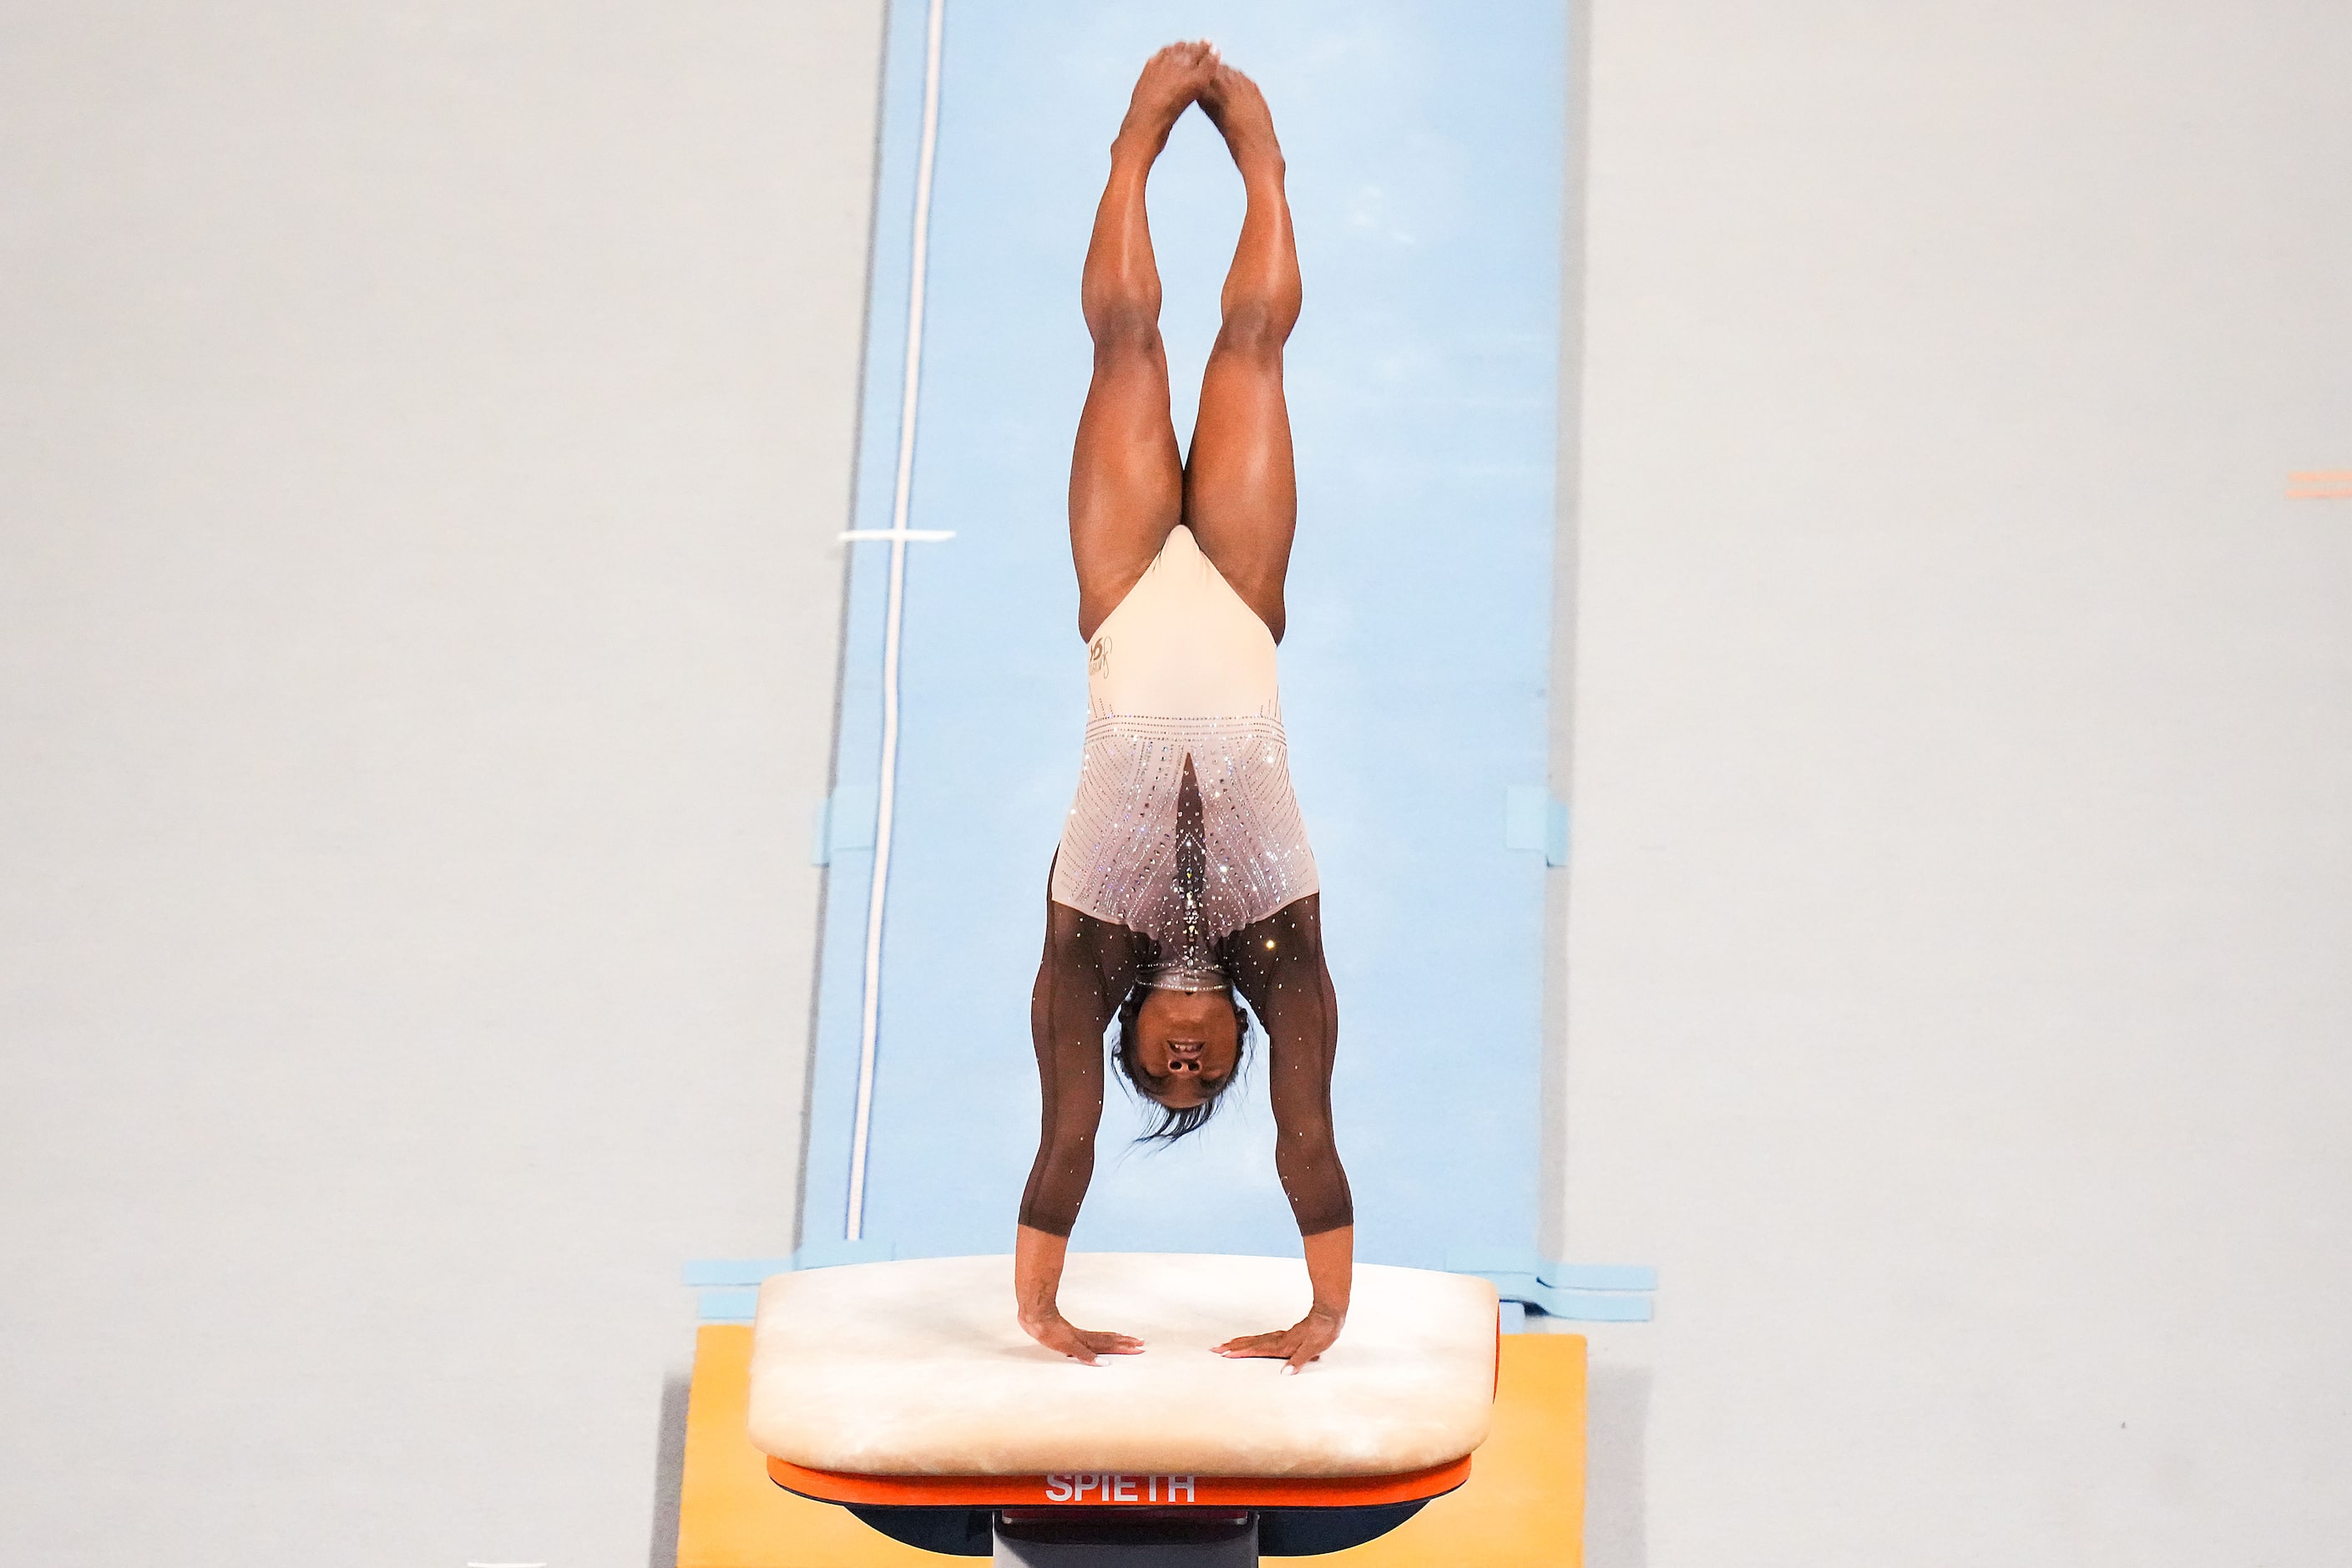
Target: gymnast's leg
[
  {"x": 1240, "y": 500},
  {"x": 1126, "y": 490},
  {"x": 1240, "y": 497},
  {"x": 1125, "y": 480}
]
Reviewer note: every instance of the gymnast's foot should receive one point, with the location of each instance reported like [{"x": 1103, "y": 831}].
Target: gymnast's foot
[
  {"x": 1171, "y": 81},
  {"x": 1237, "y": 108}
]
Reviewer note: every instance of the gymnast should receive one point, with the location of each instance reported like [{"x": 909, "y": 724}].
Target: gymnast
[{"x": 1183, "y": 897}]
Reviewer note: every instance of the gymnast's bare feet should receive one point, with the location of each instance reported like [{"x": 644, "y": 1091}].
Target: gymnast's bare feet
[
  {"x": 1171, "y": 81},
  {"x": 1237, "y": 108}
]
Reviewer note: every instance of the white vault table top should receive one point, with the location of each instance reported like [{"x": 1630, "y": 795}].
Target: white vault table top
[{"x": 918, "y": 1368}]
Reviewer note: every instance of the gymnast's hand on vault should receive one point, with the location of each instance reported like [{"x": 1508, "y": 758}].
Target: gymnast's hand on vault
[
  {"x": 1057, "y": 1333},
  {"x": 1297, "y": 1345}
]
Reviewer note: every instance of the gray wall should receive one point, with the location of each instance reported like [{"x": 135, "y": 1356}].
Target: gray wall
[
  {"x": 424, "y": 429},
  {"x": 422, "y": 439},
  {"x": 1957, "y": 1006}
]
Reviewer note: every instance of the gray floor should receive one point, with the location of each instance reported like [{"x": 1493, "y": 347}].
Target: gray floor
[
  {"x": 422, "y": 431},
  {"x": 425, "y": 429}
]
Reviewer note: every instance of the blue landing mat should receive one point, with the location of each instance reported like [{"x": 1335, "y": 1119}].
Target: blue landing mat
[{"x": 1425, "y": 145}]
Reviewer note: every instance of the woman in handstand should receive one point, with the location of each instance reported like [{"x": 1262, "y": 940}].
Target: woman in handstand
[{"x": 1183, "y": 888}]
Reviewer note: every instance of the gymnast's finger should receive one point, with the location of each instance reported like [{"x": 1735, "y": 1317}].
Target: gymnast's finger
[{"x": 1069, "y": 1342}]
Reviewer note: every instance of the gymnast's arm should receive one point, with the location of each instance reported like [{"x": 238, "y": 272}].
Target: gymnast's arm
[
  {"x": 1281, "y": 973},
  {"x": 1070, "y": 1007}
]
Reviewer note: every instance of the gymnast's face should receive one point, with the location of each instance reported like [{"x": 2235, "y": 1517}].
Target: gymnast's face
[{"x": 1186, "y": 1044}]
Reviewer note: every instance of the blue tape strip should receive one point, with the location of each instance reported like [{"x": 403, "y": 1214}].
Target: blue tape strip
[
  {"x": 1493, "y": 1261},
  {"x": 734, "y": 1270},
  {"x": 1588, "y": 1292},
  {"x": 728, "y": 1306},
  {"x": 1591, "y": 1306},
  {"x": 849, "y": 818},
  {"x": 1578, "y": 1306},
  {"x": 843, "y": 820},
  {"x": 1599, "y": 1276},
  {"x": 1524, "y": 816},
  {"x": 1584, "y": 1305},
  {"x": 1532, "y": 819},
  {"x": 1498, "y": 1260},
  {"x": 742, "y": 1271},
  {"x": 833, "y": 1253}
]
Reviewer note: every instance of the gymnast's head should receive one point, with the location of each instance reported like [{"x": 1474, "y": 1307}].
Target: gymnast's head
[{"x": 1181, "y": 1039}]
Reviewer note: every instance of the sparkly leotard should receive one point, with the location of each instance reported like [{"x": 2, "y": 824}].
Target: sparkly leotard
[
  {"x": 1183, "y": 833},
  {"x": 1182, "y": 669}
]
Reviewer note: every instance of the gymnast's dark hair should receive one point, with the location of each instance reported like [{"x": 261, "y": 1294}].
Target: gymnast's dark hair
[{"x": 1174, "y": 1123}]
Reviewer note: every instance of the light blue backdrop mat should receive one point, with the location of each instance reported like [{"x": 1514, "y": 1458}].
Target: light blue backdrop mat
[{"x": 1424, "y": 140}]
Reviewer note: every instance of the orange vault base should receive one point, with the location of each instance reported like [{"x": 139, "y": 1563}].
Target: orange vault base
[{"x": 1522, "y": 1505}]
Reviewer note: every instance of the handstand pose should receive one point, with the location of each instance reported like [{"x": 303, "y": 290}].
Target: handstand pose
[{"x": 1183, "y": 875}]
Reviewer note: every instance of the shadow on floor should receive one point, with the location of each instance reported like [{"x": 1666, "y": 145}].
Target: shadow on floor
[
  {"x": 669, "y": 1470},
  {"x": 1616, "y": 1511}
]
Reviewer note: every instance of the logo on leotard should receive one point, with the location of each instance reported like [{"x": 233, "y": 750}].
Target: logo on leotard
[{"x": 1098, "y": 656}]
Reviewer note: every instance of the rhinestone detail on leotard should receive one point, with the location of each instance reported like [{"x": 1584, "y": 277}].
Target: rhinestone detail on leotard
[{"x": 1118, "y": 857}]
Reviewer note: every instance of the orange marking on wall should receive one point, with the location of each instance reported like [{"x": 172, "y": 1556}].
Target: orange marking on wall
[{"x": 2320, "y": 484}]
